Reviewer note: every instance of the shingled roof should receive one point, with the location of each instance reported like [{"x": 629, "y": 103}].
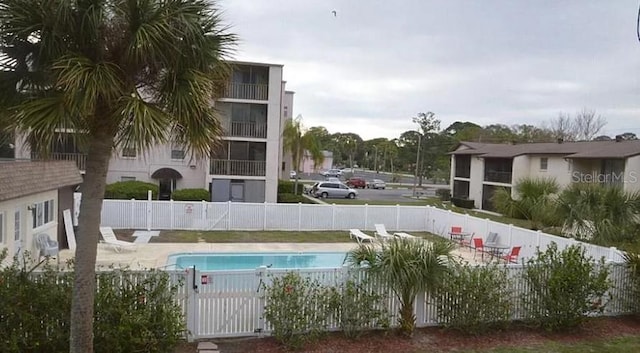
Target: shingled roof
[
  {"x": 582, "y": 149},
  {"x": 22, "y": 178}
]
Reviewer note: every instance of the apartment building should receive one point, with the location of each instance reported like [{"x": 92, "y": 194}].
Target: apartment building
[
  {"x": 478, "y": 169},
  {"x": 245, "y": 168}
]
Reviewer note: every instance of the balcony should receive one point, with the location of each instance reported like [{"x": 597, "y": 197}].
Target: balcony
[
  {"x": 237, "y": 167},
  {"x": 79, "y": 158},
  {"x": 241, "y": 129},
  {"x": 497, "y": 176},
  {"x": 253, "y": 91}
]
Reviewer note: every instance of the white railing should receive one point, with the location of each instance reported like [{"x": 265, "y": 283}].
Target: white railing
[
  {"x": 245, "y": 129},
  {"x": 184, "y": 215},
  {"x": 253, "y": 91},
  {"x": 237, "y": 167}
]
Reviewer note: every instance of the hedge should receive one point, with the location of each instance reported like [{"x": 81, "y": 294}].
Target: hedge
[
  {"x": 126, "y": 190},
  {"x": 191, "y": 195},
  {"x": 291, "y": 198},
  {"x": 464, "y": 203},
  {"x": 287, "y": 187}
]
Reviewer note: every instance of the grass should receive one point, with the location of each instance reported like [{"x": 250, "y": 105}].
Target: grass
[
  {"x": 616, "y": 345},
  {"x": 182, "y": 236}
]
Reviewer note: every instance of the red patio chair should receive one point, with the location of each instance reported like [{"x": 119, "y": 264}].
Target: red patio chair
[
  {"x": 455, "y": 230},
  {"x": 512, "y": 257},
  {"x": 478, "y": 245}
]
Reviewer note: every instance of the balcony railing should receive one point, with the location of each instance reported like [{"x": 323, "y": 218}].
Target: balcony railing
[
  {"x": 252, "y": 91},
  {"x": 237, "y": 167},
  {"x": 497, "y": 177},
  {"x": 79, "y": 158},
  {"x": 237, "y": 129}
]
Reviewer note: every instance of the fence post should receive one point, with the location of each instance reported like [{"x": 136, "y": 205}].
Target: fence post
[
  {"x": 538, "y": 235},
  {"x": 192, "y": 303},
  {"x": 149, "y": 210},
  {"x": 228, "y": 215},
  {"x": 299, "y": 216},
  {"x": 261, "y": 276},
  {"x": 366, "y": 216},
  {"x": 333, "y": 216},
  {"x": 264, "y": 216},
  {"x": 486, "y": 227},
  {"x": 510, "y": 233},
  {"x": 132, "y": 215},
  {"x": 613, "y": 251},
  {"x": 171, "y": 214},
  {"x": 397, "y": 217},
  {"x": 465, "y": 227},
  {"x": 420, "y": 309}
]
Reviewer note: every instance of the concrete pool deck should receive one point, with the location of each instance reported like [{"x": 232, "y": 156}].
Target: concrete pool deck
[{"x": 154, "y": 255}]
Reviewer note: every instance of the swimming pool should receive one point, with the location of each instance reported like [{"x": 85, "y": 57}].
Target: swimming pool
[{"x": 251, "y": 261}]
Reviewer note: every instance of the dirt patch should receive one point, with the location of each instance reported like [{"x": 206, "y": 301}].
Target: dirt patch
[
  {"x": 124, "y": 234},
  {"x": 440, "y": 340}
]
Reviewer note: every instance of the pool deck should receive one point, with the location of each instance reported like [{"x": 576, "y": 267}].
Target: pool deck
[{"x": 154, "y": 255}]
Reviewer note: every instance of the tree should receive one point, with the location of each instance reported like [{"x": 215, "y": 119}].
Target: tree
[
  {"x": 588, "y": 124},
  {"x": 562, "y": 127},
  {"x": 296, "y": 141},
  {"x": 135, "y": 73},
  {"x": 408, "y": 267},
  {"x": 535, "y": 201}
]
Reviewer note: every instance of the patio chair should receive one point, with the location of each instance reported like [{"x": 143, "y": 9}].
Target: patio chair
[
  {"x": 455, "y": 230},
  {"x": 360, "y": 236},
  {"x": 512, "y": 257},
  {"x": 478, "y": 245},
  {"x": 403, "y": 235},
  {"x": 492, "y": 238},
  {"x": 381, "y": 232},
  {"x": 117, "y": 245},
  {"x": 46, "y": 246}
]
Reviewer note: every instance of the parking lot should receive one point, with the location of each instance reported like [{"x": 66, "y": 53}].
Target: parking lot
[{"x": 395, "y": 193}]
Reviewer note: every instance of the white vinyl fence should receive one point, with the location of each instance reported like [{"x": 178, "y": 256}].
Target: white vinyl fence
[
  {"x": 232, "y": 303},
  {"x": 184, "y": 215}
]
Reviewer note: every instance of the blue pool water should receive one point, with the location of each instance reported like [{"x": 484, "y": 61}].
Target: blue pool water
[{"x": 251, "y": 261}]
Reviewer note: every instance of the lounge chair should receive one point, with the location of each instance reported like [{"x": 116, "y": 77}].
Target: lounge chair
[
  {"x": 402, "y": 235},
  {"x": 117, "y": 245},
  {"x": 46, "y": 246},
  {"x": 360, "y": 236},
  {"x": 381, "y": 232}
]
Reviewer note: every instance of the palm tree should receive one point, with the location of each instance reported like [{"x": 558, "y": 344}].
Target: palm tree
[
  {"x": 408, "y": 267},
  {"x": 535, "y": 201},
  {"x": 296, "y": 141},
  {"x": 135, "y": 73}
]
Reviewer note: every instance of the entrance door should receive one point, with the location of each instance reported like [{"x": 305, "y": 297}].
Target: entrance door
[
  {"x": 237, "y": 192},
  {"x": 165, "y": 188},
  {"x": 17, "y": 232}
]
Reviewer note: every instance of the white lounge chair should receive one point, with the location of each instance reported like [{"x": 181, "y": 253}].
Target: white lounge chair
[
  {"x": 402, "y": 235},
  {"x": 360, "y": 236},
  {"x": 381, "y": 232},
  {"x": 46, "y": 246},
  {"x": 110, "y": 238}
]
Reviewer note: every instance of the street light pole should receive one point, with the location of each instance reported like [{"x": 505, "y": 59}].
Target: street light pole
[
  {"x": 376, "y": 158},
  {"x": 415, "y": 177}
]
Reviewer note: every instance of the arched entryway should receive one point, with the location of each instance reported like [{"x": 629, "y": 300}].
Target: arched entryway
[{"x": 167, "y": 178}]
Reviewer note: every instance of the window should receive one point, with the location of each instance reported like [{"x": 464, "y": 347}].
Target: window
[
  {"x": 16, "y": 223},
  {"x": 177, "y": 151},
  {"x": 544, "y": 163},
  {"x": 1, "y": 227},
  {"x": 127, "y": 178},
  {"x": 42, "y": 213},
  {"x": 129, "y": 151}
]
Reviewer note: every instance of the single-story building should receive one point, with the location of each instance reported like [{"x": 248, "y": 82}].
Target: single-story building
[
  {"x": 478, "y": 169},
  {"x": 33, "y": 195}
]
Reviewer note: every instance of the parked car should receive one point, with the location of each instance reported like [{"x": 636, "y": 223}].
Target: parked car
[
  {"x": 292, "y": 174},
  {"x": 326, "y": 189},
  {"x": 357, "y": 182},
  {"x": 333, "y": 180},
  {"x": 376, "y": 184},
  {"x": 332, "y": 173}
]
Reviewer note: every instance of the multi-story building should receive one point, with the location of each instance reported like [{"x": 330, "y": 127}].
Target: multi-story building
[
  {"x": 478, "y": 169},
  {"x": 244, "y": 168}
]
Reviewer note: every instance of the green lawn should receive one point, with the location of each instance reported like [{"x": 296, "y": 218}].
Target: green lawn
[
  {"x": 616, "y": 345},
  {"x": 185, "y": 236}
]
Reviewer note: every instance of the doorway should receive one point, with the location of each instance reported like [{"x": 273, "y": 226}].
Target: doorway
[
  {"x": 166, "y": 187},
  {"x": 237, "y": 192}
]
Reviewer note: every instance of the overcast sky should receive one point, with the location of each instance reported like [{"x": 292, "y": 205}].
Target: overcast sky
[{"x": 378, "y": 63}]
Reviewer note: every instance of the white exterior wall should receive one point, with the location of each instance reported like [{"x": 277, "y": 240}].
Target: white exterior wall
[
  {"x": 144, "y": 165},
  {"x": 274, "y": 148},
  {"x": 476, "y": 180},
  {"x": 287, "y": 113},
  {"x": 9, "y": 207},
  {"x": 632, "y": 174}
]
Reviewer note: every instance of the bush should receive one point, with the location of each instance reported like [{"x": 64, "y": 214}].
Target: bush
[
  {"x": 287, "y": 187},
  {"x": 132, "y": 314},
  {"x": 564, "y": 287},
  {"x": 360, "y": 309},
  {"x": 463, "y": 203},
  {"x": 191, "y": 195},
  {"x": 291, "y": 198},
  {"x": 475, "y": 299},
  {"x": 443, "y": 194},
  {"x": 298, "y": 309},
  {"x": 126, "y": 190}
]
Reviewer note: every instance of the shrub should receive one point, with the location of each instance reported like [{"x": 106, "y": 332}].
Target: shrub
[
  {"x": 536, "y": 202},
  {"x": 475, "y": 299},
  {"x": 360, "y": 308},
  {"x": 132, "y": 314},
  {"x": 564, "y": 287},
  {"x": 127, "y": 190},
  {"x": 443, "y": 194},
  {"x": 463, "y": 203},
  {"x": 287, "y": 187},
  {"x": 297, "y": 309},
  {"x": 191, "y": 195},
  {"x": 291, "y": 198}
]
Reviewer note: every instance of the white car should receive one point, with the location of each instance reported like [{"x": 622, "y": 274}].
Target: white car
[
  {"x": 332, "y": 173},
  {"x": 376, "y": 184},
  {"x": 292, "y": 174}
]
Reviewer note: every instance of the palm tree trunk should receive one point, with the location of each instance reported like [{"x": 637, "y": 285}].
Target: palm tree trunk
[
  {"x": 84, "y": 286},
  {"x": 407, "y": 319}
]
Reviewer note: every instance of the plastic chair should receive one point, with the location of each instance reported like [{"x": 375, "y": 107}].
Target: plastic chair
[
  {"x": 512, "y": 257},
  {"x": 478, "y": 245},
  {"x": 46, "y": 246}
]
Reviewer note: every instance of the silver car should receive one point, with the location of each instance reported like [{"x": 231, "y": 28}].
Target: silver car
[{"x": 326, "y": 189}]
